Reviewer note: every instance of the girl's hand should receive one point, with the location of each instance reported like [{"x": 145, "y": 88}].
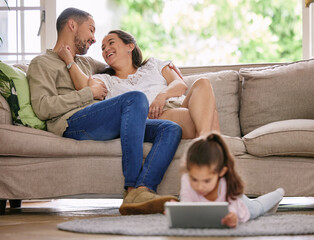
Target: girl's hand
[
  {"x": 157, "y": 106},
  {"x": 65, "y": 54},
  {"x": 231, "y": 220}
]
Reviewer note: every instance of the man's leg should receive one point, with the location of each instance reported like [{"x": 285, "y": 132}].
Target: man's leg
[
  {"x": 122, "y": 116},
  {"x": 165, "y": 136}
]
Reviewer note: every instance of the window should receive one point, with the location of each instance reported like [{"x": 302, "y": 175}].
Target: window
[
  {"x": 190, "y": 32},
  {"x": 199, "y": 32},
  {"x": 19, "y": 28}
]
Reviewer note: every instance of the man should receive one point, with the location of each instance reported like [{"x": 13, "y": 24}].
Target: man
[{"x": 79, "y": 114}]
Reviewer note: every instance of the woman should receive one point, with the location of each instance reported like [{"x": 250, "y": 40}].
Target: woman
[{"x": 196, "y": 112}]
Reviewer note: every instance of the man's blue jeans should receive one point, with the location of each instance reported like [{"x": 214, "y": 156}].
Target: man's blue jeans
[{"x": 125, "y": 116}]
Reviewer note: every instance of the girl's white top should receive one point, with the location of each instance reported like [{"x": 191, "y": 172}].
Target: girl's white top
[
  {"x": 147, "y": 79},
  {"x": 188, "y": 194}
]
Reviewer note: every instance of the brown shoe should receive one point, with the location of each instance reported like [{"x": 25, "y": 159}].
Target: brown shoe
[{"x": 144, "y": 201}]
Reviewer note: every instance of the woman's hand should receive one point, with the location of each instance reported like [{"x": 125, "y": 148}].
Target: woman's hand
[
  {"x": 157, "y": 106},
  {"x": 231, "y": 220},
  {"x": 65, "y": 54}
]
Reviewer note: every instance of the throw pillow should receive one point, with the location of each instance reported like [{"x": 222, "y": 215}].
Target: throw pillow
[
  {"x": 14, "y": 84},
  {"x": 226, "y": 87},
  {"x": 293, "y": 137},
  {"x": 8, "y": 91},
  {"x": 276, "y": 93}
]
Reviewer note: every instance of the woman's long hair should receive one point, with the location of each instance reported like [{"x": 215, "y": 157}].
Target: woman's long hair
[
  {"x": 213, "y": 151},
  {"x": 137, "y": 57}
]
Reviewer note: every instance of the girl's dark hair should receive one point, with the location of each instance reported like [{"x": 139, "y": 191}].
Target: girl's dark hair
[
  {"x": 213, "y": 151},
  {"x": 78, "y": 15},
  {"x": 137, "y": 57}
]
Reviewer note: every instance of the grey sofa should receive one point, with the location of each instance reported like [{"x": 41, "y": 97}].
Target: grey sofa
[{"x": 266, "y": 115}]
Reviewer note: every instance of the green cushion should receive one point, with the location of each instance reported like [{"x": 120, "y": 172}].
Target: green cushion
[{"x": 14, "y": 86}]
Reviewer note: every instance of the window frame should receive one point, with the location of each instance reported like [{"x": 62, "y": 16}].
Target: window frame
[
  {"x": 20, "y": 35},
  {"x": 307, "y": 31}
]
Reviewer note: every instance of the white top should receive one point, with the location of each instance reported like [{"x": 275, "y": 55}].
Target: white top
[
  {"x": 147, "y": 79},
  {"x": 188, "y": 194}
]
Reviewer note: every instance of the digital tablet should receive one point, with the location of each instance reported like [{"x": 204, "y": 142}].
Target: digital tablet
[{"x": 196, "y": 214}]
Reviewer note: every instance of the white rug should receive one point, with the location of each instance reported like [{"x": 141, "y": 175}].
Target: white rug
[{"x": 156, "y": 225}]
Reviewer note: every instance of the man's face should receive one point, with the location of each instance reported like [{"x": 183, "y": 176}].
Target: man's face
[{"x": 84, "y": 36}]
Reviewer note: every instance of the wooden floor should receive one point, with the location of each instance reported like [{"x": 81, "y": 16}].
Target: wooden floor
[{"x": 38, "y": 220}]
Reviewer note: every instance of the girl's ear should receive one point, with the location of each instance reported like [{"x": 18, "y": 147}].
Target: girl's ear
[{"x": 223, "y": 171}]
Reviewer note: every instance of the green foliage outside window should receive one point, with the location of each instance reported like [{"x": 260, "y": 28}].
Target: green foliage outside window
[{"x": 204, "y": 32}]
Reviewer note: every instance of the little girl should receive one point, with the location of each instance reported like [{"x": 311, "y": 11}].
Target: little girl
[{"x": 210, "y": 176}]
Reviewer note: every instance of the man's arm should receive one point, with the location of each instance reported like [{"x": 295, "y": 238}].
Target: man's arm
[
  {"x": 173, "y": 67},
  {"x": 51, "y": 98}
]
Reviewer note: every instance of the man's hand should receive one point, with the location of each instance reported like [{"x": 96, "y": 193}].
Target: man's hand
[
  {"x": 231, "y": 220},
  {"x": 98, "y": 88},
  {"x": 173, "y": 67}
]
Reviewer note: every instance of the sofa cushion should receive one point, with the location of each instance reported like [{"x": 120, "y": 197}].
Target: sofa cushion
[
  {"x": 276, "y": 93},
  {"x": 29, "y": 142},
  {"x": 22, "y": 111},
  {"x": 226, "y": 86},
  {"x": 286, "y": 138},
  {"x": 26, "y": 142}
]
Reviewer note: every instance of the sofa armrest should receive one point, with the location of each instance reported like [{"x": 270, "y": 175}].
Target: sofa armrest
[{"x": 5, "y": 112}]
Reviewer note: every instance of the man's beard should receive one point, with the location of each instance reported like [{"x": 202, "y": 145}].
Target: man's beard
[{"x": 80, "y": 46}]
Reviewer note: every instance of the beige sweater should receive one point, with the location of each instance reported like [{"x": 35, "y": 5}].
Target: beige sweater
[{"x": 53, "y": 95}]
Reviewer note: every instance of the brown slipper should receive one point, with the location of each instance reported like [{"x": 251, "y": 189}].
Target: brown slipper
[{"x": 144, "y": 201}]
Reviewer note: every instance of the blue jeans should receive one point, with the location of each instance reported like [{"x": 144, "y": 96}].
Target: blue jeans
[{"x": 125, "y": 116}]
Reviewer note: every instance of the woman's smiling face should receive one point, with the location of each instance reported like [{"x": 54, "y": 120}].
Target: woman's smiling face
[{"x": 113, "y": 49}]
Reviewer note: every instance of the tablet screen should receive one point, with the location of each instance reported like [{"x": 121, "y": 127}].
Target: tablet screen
[{"x": 196, "y": 214}]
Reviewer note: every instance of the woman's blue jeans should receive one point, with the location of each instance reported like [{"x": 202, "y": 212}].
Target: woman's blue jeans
[{"x": 125, "y": 116}]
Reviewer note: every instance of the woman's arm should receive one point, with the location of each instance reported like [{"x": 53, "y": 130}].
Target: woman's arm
[
  {"x": 176, "y": 87},
  {"x": 79, "y": 79}
]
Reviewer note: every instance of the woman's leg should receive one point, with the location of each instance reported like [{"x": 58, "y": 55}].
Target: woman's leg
[
  {"x": 201, "y": 103},
  {"x": 198, "y": 114},
  {"x": 123, "y": 116},
  {"x": 182, "y": 117},
  {"x": 259, "y": 206}
]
